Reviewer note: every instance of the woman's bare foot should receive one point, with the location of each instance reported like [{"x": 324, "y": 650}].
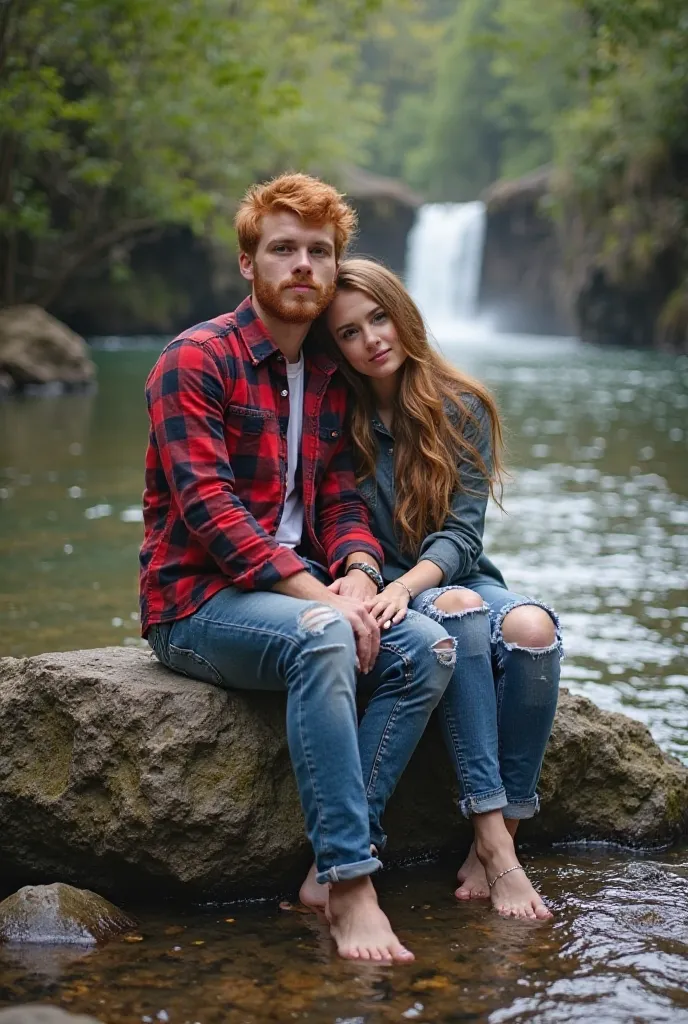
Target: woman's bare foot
[
  {"x": 472, "y": 878},
  {"x": 512, "y": 894},
  {"x": 312, "y": 894},
  {"x": 358, "y": 926}
]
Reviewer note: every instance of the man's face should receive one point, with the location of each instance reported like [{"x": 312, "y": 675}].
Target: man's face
[{"x": 294, "y": 268}]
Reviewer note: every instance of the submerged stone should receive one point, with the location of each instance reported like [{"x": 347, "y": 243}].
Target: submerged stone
[
  {"x": 60, "y": 914},
  {"x": 123, "y": 774},
  {"x": 37, "y": 1013}
]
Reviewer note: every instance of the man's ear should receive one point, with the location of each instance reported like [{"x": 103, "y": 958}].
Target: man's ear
[{"x": 246, "y": 265}]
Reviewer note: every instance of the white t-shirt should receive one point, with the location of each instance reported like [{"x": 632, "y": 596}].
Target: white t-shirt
[{"x": 291, "y": 524}]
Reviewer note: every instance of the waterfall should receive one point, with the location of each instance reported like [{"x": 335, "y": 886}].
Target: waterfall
[{"x": 444, "y": 260}]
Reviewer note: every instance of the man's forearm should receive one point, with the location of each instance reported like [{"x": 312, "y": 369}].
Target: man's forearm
[{"x": 305, "y": 586}]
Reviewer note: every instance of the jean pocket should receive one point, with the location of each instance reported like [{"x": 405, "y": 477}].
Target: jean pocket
[{"x": 193, "y": 665}]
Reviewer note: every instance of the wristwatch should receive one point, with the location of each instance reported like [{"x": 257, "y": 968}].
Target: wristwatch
[{"x": 369, "y": 571}]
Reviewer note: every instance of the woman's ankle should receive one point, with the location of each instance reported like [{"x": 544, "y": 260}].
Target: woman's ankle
[{"x": 491, "y": 836}]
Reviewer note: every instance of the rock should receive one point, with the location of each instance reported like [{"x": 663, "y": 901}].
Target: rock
[
  {"x": 628, "y": 313},
  {"x": 60, "y": 914},
  {"x": 115, "y": 772},
  {"x": 524, "y": 284},
  {"x": 36, "y": 349},
  {"x": 386, "y": 211},
  {"x": 36, "y": 1013}
]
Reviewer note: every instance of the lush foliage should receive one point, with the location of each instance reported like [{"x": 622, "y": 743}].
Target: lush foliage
[
  {"x": 119, "y": 117},
  {"x": 599, "y": 89},
  {"x": 623, "y": 147}
]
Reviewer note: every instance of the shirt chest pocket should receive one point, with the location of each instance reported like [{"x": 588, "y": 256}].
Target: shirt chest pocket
[{"x": 250, "y": 433}]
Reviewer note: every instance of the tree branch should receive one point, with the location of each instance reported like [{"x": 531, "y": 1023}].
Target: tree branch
[{"x": 96, "y": 247}]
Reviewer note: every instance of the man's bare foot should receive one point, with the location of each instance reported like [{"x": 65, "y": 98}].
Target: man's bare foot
[
  {"x": 358, "y": 926},
  {"x": 312, "y": 894},
  {"x": 472, "y": 878},
  {"x": 512, "y": 894}
]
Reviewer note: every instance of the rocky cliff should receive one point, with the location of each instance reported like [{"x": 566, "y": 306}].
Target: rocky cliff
[{"x": 524, "y": 286}]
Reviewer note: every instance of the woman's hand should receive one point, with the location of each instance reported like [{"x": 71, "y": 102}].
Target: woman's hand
[{"x": 390, "y": 606}]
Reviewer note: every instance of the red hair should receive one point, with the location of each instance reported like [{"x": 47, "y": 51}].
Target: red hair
[{"x": 309, "y": 198}]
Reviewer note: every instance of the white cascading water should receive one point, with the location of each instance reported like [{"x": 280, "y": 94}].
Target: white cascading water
[{"x": 444, "y": 261}]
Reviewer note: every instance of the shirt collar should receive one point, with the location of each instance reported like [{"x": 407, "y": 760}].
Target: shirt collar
[
  {"x": 379, "y": 426},
  {"x": 260, "y": 345},
  {"x": 253, "y": 332}
]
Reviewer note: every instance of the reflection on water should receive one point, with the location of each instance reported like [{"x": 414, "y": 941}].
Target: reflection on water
[
  {"x": 597, "y": 511},
  {"x": 615, "y": 952}
]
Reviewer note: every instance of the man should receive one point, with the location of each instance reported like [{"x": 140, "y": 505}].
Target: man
[{"x": 249, "y": 493}]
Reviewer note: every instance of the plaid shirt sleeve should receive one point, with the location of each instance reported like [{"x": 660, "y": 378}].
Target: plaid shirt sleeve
[
  {"x": 185, "y": 395},
  {"x": 341, "y": 513}
]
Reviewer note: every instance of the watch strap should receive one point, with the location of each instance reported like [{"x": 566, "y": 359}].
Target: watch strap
[{"x": 370, "y": 571}]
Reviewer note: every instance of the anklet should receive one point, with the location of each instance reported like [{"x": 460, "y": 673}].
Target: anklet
[{"x": 516, "y": 867}]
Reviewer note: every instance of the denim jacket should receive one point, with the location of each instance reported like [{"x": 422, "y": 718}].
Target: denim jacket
[{"x": 458, "y": 547}]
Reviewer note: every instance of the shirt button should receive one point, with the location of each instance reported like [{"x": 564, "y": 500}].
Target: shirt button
[
  {"x": 284, "y": 393},
  {"x": 390, "y": 451},
  {"x": 280, "y": 358}
]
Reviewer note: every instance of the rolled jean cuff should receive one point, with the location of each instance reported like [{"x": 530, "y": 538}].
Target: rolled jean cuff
[
  {"x": 494, "y": 800},
  {"x": 345, "y": 872},
  {"x": 527, "y": 808}
]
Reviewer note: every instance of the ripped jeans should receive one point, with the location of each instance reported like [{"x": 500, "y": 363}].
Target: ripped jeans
[
  {"x": 498, "y": 709},
  {"x": 345, "y": 773}
]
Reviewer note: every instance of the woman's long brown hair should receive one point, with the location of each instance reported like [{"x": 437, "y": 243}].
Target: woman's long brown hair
[{"x": 429, "y": 445}]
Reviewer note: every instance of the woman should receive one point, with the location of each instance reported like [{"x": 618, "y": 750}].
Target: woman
[{"x": 427, "y": 441}]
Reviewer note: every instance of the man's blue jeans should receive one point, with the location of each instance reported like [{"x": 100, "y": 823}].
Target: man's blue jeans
[
  {"x": 257, "y": 640},
  {"x": 498, "y": 709}
]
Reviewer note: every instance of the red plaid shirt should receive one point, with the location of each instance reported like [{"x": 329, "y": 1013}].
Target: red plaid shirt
[{"x": 216, "y": 468}]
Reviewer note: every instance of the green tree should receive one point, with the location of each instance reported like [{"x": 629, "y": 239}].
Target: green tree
[
  {"x": 119, "y": 117},
  {"x": 399, "y": 58},
  {"x": 462, "y": 147},
  {"x": 623, "y": 148}
]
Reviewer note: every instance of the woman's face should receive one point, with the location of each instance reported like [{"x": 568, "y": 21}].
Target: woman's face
[{"x": 365, "y": 334}]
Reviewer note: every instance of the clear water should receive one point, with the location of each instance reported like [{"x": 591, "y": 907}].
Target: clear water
[
  {"x": 616, "y": 952},
  {"x": 597, "y": 514}
]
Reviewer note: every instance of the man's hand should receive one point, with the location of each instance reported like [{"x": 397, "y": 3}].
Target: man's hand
[
  {"x": 355, "y": 584},
  {"x": 366, "y": 629}
]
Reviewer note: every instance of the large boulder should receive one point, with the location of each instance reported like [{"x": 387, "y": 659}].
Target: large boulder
[
  {"x": 36, "y": 349},
  {"x": 60, "y": 914},
  {"x": 115, "y": 772}
]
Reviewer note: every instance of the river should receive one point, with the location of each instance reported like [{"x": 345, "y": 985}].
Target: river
[{"x": 595, "y": 524}]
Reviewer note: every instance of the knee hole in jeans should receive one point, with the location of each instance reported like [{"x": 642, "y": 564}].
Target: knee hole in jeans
[
  {"x": 529, "y": 626},
  {"x": 445, "y": 651},
  {"x": 457, "y": 600}
]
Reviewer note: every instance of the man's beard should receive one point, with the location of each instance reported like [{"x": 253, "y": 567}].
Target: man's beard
[{"x": 292, "y": 307}]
